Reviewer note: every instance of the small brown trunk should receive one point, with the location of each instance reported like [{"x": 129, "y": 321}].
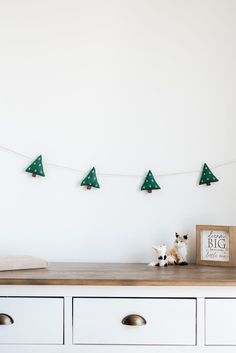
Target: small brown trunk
[
  {"x": 34, "y": 175},
  {"x": 149, "y": 191},
  {"x": 208, "y": 183},
  {"x": 89, "y": 187}
]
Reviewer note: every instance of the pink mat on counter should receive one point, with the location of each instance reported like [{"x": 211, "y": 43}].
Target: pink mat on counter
[{"x": 8, "y": 263}]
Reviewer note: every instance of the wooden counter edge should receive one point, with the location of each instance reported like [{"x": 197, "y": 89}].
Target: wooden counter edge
[{"x": 72, "y": 282}]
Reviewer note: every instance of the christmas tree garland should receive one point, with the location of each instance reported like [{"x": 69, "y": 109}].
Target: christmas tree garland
[{"x": 91, "y": 181}]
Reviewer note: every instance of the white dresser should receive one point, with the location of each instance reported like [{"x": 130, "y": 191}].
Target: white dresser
[{"x": 118, "y": 308}]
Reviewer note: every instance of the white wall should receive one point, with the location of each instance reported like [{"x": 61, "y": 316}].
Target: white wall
[{"x": 125, "y": 86}]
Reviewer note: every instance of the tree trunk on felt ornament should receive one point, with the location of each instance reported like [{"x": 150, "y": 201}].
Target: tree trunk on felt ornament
[
  {"x": 89, "y": 187},
  {"x": 149, "y": 191},
  {"x": 208, "y": 184},
  {"x": 34, "y": 175}
]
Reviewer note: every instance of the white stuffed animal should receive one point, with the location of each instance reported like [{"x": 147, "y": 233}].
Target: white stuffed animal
[{"x": 161, "y": 256}]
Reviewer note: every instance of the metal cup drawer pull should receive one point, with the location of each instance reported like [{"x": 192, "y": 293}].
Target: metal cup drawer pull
[
  {"x": 6, "y": 319},
  {"x": 134, "y": 320}
]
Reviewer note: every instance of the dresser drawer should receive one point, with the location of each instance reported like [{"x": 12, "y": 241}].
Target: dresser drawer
[
  {"x": 220, "y": 321},
  {"x": 35, "y": 320},
  {"x": 168, "y": 321}
]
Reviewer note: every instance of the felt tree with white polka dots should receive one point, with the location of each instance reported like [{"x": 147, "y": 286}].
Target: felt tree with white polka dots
[
  {"x": 91, "y": 180},
  {"x": 207, "y": 176},
  {"x": 150, "y": 183},
  {"x": 36, "y": 168}
]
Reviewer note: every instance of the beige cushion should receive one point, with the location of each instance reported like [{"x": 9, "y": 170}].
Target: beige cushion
[{"x": 21, "y": 263}]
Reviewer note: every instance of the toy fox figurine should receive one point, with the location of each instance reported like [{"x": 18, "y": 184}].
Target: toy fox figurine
[{"x": 178, "y": 253}]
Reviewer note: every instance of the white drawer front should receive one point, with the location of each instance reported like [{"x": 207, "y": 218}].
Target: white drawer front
[
  {"x": 168, "y": 321},
  {"x": 36, "y": 321},
  {"x": 220, "y": 321}
]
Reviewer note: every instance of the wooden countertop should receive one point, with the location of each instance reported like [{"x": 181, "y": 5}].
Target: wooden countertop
[{"x": 115, "y": 274}]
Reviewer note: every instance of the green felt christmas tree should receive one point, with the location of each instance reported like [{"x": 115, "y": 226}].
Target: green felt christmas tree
[
  {"x": 150, "y": 183},
  {"x": 207, "y": 176},
  {"x": 91, "y": 180},
  {"x": 36, "y": 168}
]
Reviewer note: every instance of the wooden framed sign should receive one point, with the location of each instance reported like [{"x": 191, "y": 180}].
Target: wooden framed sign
[{"x": 216, "y": 245}]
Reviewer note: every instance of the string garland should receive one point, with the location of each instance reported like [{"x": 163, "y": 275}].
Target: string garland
[{"x": 193, "y": 171}]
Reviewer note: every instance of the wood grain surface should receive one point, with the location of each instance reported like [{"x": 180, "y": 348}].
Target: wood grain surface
[{"x": 121, "y": 274}]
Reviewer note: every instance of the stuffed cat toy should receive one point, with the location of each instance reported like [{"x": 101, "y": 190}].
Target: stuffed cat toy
[
  {"x": 161, "y": 256},
  {"x": 178, "y": 253}
]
